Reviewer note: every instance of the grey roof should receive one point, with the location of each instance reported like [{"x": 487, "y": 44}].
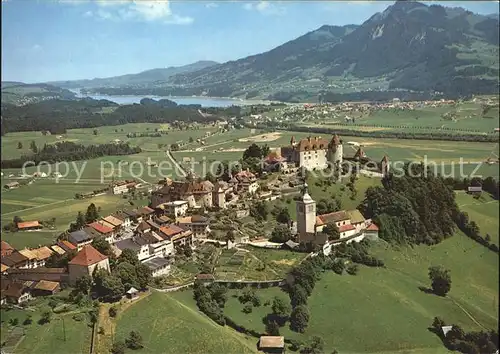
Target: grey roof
[
  {"x": 79, "y": 236},
  {"x": 155, "y": 263},
  {"x": 291, "y": 244},
  {"x": 127, "y": 243}
]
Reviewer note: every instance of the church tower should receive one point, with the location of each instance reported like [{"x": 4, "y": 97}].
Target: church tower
[{"x": 306, "y": 216}]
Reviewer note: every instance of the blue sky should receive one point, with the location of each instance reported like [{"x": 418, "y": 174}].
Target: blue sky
[{"x": 44, "y": 40}]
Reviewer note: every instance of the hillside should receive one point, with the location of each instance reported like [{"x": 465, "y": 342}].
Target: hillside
[
  {"x": 18, "y": 93},
  {"x": 148, "y": 77},
  {"x": 409, "y": 46}
]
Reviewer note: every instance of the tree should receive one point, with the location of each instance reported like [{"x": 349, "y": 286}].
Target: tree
[
  {"x": 46, "y": 317},
  {"x": 118, "y": 348},
  {"x": 315, "y": 347},
  {"x": 129, "y": 256},
  {"x": 352, "y": 269},
  {"x": 112, "y": 311},
  {"x": 253, "y": 150},
  {"x": 281, "y": 234},
  {"x": 280, "y": 307},
  {"x": 299, "y": 319},
  {"x": 247, "y": 308},
  {"x": 283, "y": 216},
  {"x": 219, "y": 294},
  {"x": 127, "y": 274},
  {"x": 332, "y": 231},
  {"x": 298, "y": 295},
  {"x": 229, "y": 236},
  {"x": 144, "y": 276},
  {"x": 134, "y": 341},
  {"x": 103, "y": 246},
  {"x": 191, "y": 139},
  {"x": 111, "y": 288},
  {"x": 95, "y": 131},
  {"x": 19, "y": 145},
  {"x": 28, "y": 320},
  {"x": 440, "y": 280},
  {"x": 83, "y": 284},
  {"x": 272, "y": 328},
  {"x": 33, "y": 147},
  {"x": 91, "y": 215},
  {"x": 437, "y": 324},
  {"x": 259, "y": 211}
]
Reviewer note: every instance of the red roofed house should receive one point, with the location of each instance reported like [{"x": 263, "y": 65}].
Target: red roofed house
[
  {"x": 85, "y": 262},
  {"x": 106, "y": 231},
  {"x": 177, "y": 234},
  {"x": 29, "y": 226},
  {"x": 6, "y": 249},
  {"x": 371, "y": 232}
]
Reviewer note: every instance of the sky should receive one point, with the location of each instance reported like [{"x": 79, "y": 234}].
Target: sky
[{"x": 50, "y": 40}]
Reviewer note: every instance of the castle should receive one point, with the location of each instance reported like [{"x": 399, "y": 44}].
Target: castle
[
  {"x": 314, "y": 152},
  {"x": 350, "y": 224}
]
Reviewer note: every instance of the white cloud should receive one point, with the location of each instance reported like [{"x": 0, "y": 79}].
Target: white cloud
[
  {"x": 88, "y": 14},
  {"x": 36, "y": 47},
  {"x": 265, "y": 7},
  {"x": 211, "y": 5}
]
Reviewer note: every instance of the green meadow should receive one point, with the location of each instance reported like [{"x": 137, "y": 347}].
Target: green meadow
[{"x": 171, "y": 323}]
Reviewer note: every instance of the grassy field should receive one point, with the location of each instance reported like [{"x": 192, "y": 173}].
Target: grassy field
[
  {"x": 171, "y": 323},
  {"x": 484, "y": 211},
  {"x": 105, "y": 134},
  {"x": 44, "y": 200},
  {"x": 385, "y": 306},
  {"x": 48, "y": 337}
]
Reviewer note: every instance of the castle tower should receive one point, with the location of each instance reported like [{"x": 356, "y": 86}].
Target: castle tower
[
  {"x": 335, "y": 150},
  {"x": 359, "y": 154},
  {"x": 218, "y": 196},
  {"x": 306, "y": 216}
]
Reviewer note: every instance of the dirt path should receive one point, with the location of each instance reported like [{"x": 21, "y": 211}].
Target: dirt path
[{"x": 35, "y": 207}]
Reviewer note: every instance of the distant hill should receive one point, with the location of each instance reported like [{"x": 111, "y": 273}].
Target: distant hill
[
  {"x": 146, "y": 78},
  {"x": 19, "y": 93},
  {"x": 409, "y": 46}
]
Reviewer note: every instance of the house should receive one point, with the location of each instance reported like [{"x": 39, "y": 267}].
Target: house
[
  {"x": 177, "y": 234},
  {"x": 247, "y": 182},
  {"x": 275, "y": 162},
  {"x": 122, "y": 187},
  {"x": 67, "y": 246},
  {"x": 147, "y": 245},
  {"x": 124, "y": 218},
  {"x": 474, "y": 189},
  {"x": 272, "y": 344},
  {"x": 158, "y": 265},
  {"x": 57, "y": 249},
  {"x": 198, "y": 224},
  {"x": 79, "y": 238},
  {"x": 133, "y": 216},
  {"x": 15, "y": 292},
  {"x": 42, "y": 254},
  {"x": 103, "y": 230},
  {"x": 197, "y": 194},
  {"x": 6, "y": 249},
  {"x": 15, "y": 260},
  {"x": 114, "y": 222},
  {"x": 85, "y": 262},
  {"x": 174, "y": 208},
  {"x": 29, "y": 225},
  {"x": 12, "y": 185},
  {"x": 45, "y": 288},
  {"x": 32, "y": 261},
  {"x": 146, "y": 212}
]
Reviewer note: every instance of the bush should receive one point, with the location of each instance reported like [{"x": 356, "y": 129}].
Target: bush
[
  {"x": 134, "y": 341},
  {"x": 352, "y": 269},
  {"x": 28, "y": 320},
  {"x": 118, "y": 348},
  {"x": 247, "y": 309},
  {"x": 78, "y": 317},
  {"x": 112, "y": 311}
]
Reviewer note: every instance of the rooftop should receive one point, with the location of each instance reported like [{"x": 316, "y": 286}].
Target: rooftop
[
  {"x": 87, "y": 256},
  {"x": 103, "y": 229},
  {"x": 28, "y": 224},
  {"x": 28, "y": 254},
  {"x": 272, "y": 342},
  {"x": 42, "y": 253},
  {"x": 356, "y": 216},
  {"x": 331, "y": 217},
  {"x": 79, "y": 236},
  {"x": 156, "y": 263},
  {"x": 46, "y": 285}
]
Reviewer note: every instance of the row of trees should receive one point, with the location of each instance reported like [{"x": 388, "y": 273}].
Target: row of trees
[
  {"x": 471, "y": 229},
  {"x": 70, "y": 151},
  {"x": 211, "y": 300},
  {"x": 382, "y": 134}
]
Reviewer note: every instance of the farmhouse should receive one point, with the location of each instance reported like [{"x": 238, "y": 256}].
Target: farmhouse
[
  {"x": 45, "y": 287},
  {"x": 122, "y": 187},
  {"x": 42, "y": 254},
  {"x": 15, "y": 292},
  {"x": 32, "y": 261},
  {"x": 103, "y": 230},
  {"x": 29, "y": 226},
  {"x": 85, "y": 262}
]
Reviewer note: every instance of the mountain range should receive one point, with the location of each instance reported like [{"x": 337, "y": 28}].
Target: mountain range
[{"x": 409, "y": 47}]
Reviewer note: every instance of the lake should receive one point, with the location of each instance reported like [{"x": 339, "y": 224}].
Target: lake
[{"x": 203, "y": 101}]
